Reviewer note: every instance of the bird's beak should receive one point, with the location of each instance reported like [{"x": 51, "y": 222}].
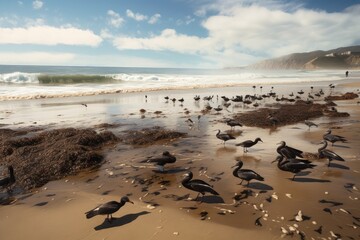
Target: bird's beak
[
  {"x": 278, "y": 143},
  {"x": 131, "y": 202},
  {"x": 233, "y": 166},
  {"x": 261, "y": 140},
  {"x": 274, "y": 161}
]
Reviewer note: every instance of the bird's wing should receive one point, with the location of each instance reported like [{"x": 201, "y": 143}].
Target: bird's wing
[
  {"x": 203, "y": 188},
  {"x": 330, "y": 154},
  {"x": 108, "y": 207},
  {"x": 198, "y": 181}
]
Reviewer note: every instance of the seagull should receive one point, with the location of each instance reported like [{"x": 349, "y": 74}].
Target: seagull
[
  {"x": 190, "y": 122},
  {"x": 333, "y": 138},
  {"x": 310, "y": 124},
  {"x": 108, "y": 208},
  {"x": 224, "y": 136},
  {"x": 248, "y": 143},
  {"x": 161, "y": 161},
  {"x": 292, "y": 165},
  {"x": 197, "y": 185},
  {"x": 330, "y": 155},
  {"x": 288, "y": 151},
  {"x": 274, "y": 121},
  {"x": 233, "y": 123},
  {"x": 245, "y": 174}
]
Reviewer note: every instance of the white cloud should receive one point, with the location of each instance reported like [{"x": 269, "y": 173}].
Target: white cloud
[
  {"x": 42, "y": 58},
  {"x": 34, "y": 22},
  {"x": 154, "y": 18},
  {"x": 9, "y": 20},
  {"x": 47, "y": 35},
  {"x": 37, "y": 4},
  {"x": 135, "y": 16},
  {"x": 106, "y": 34},
  {"x": 169, "y": 40},
  {"x": 242, "y": 33},
  {"x": 115, "y": 19}
]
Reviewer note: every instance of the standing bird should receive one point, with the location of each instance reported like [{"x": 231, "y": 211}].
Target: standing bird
[
  {"x": 197, "y": 185},
  {"x": 288, "y": 151},
  {"x": 248, "y": 143},
  {"x": 189, "y": 122},
  {"x": 108, "y": 208},
  {"x": 273, "y": 120},
  {"x": 245, "y": 174},
  {"x": 333, "y": 138},
  {"x": 218, "y": 109},
  {"x": 224, "y": 136},
  {"x": 6, "y": 182},
  {"x": 292, "y": 165},
  {"x": 161, "y": 161},
  {"x": 233, "y": 123},
  {"x": 310, "y": 124},
  {"x": 330, "y": 155}
]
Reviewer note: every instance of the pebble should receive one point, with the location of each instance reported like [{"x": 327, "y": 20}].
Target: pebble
[
  {"x": 176, "y": 233},
  {"x": 274, "y": 196},
  {"x": 149, "y": 206},
  {"x": 298, "y": 217},
  {"x": 288, "y": 195}
]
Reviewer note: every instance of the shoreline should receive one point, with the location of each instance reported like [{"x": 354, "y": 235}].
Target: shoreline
[
  {"x": 200, "y": 152},
  {"x": 123, "y": 88}
]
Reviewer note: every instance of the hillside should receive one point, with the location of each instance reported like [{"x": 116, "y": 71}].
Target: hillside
[{"x": 340, "y": 58}]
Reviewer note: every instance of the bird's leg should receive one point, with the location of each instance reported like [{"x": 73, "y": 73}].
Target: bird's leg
[
  {"x": 293, "y": 177},
  {"x": 329, "y": 163},
  {"x": 247, "y": 183},
  {"x": 197, "y": 197},
  {"x": 241, "y": 182}
]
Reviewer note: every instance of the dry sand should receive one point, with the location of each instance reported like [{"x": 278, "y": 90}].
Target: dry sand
[{"x": 327, "y": 197}]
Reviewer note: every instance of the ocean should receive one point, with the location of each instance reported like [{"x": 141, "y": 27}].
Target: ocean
[{"x": 32, "y": 82}]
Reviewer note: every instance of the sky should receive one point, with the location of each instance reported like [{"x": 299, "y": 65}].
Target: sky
[{"x": 171, "y": 33}]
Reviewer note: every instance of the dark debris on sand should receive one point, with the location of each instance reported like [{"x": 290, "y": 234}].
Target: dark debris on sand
[
  {"x": 285, "y": 114},
  {"x": 51, "y": 155},
  {"x": 346, "y": 96},
  {"x": 149, "y": 136}
]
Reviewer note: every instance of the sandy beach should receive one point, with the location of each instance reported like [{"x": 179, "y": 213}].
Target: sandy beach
[{"x": 328, "y": 197}]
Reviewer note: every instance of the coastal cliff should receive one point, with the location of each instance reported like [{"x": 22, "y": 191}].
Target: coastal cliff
[{"x": 340, "y": 58}]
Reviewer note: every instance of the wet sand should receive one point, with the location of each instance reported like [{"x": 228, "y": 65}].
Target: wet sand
[{"x": 327, "y": 197}]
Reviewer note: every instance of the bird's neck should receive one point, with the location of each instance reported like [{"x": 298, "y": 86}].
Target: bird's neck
[
  {"x": 236, "y": 170},
  {"x": 323, "y": 147}
]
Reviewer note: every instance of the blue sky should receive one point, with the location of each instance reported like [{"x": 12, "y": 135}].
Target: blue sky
[{"x": 171, "y": 33}]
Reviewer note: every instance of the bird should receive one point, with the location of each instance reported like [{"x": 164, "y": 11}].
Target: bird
[
  {"x": 310, "y": 124},
  {"x": 288, "y": 151},
  {"x": 197, "y": 185},
  {"x": 218, "y": 109},
  {"x": 189, "y": 122},
  {"x": 84, "y": 104},
  {"x": 326, "y": 153},
  {"x": 161, "y": 161},
  {"x": 333, "y": 138},
  {"x": 233, "y": 123},
  {"x": 8, "y": 181},
  {"x": 292, "y": 165},
  {"x": 224, "y": 136},
  {"x": 108, "y": 208},
  {"x": 245, "y": 174},
  {"x": 248, "y": 143},
  {"x": 273, "y": 120}
]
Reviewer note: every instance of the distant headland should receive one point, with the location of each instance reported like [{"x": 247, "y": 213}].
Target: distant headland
[{"x": 340, "y": 58}]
